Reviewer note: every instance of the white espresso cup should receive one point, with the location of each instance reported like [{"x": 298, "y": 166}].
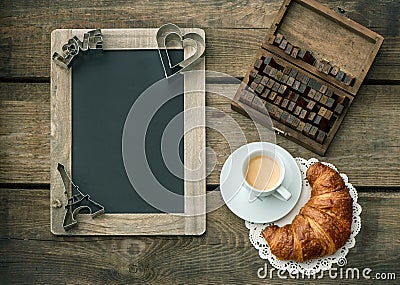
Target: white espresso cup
[{"x": 277, "y": 190}]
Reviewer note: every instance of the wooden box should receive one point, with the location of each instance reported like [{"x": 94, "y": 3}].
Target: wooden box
[{"x": 334, "y": 40}]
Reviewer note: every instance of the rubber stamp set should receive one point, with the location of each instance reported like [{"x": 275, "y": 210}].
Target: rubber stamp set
[{"x": 307, "y": 73}]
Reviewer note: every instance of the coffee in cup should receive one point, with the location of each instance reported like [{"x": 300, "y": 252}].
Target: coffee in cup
[{"x": 263, "y": 172}]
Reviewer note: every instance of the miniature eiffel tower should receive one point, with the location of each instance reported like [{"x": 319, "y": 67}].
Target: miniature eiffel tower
[{"x": 77, "y": 201}]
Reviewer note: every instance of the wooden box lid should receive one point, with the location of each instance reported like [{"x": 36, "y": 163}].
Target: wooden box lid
[{"x": 330, "y": 36}]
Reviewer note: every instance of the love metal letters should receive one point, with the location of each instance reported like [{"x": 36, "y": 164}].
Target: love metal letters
[{"x": 92, "y": 40}]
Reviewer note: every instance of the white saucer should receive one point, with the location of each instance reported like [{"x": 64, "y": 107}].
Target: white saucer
[{"x": 265, "y": 209}]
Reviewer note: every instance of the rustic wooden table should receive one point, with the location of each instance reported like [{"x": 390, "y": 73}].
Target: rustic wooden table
[{"x": 367, "y": 147}]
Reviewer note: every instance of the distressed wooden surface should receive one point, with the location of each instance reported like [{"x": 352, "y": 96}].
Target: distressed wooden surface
[
  {"x": 366, "y": 147},
  {"x": 28, "y": 251},
  {"x": 234, "y": 29},
  {"x": 24, "y": 132}
]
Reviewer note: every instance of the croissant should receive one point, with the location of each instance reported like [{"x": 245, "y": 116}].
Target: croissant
[{"x": 323, "y": 223}]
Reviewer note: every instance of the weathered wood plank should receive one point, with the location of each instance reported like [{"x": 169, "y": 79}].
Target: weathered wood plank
[
  {"x": 39, "y": 15},
  {"x": 234, "y": 30},
  {"x": 24, "y": 133},
  {"x": 117, "y": 14},
  {"x": 232, "y": 51},
  {"x": 366, "y": 146},
  {"x": 31, "y": 254}
]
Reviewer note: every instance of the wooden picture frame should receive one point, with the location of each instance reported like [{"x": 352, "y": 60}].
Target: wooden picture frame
[{"x": 193, "y": 222}]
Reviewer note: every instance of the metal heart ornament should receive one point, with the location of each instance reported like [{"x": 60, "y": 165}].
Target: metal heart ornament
[{"x": 170, "y": 35}]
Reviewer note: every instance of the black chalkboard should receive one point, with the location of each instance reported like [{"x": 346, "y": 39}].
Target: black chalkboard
[{"x": 104, "y": 87}]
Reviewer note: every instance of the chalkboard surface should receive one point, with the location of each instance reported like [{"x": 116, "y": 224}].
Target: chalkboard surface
[{"x": 104, "y": 87}]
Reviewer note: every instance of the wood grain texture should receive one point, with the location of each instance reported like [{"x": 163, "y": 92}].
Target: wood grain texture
[
  {"x": 193, "y": 220},
  {"x": 31, "y": 254},
  {"x": 60, "y": 132},
  {"x": 194, "y": 144},
  {"x": 235, "y": 30},
  {"x": 366, "y": 147},
  {"x": 24, "y": 132}
]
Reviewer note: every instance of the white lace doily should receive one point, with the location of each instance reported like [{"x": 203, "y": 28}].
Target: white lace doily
[{"x": 315, "y": 265}]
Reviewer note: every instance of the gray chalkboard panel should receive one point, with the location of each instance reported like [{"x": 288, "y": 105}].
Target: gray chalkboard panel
[{"x": 104, "y": 87}]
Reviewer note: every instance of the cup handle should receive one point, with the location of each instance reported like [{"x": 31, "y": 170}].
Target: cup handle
[
  {"x": 253, "y": 196},
  {"x": 282, "y": 194}
]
